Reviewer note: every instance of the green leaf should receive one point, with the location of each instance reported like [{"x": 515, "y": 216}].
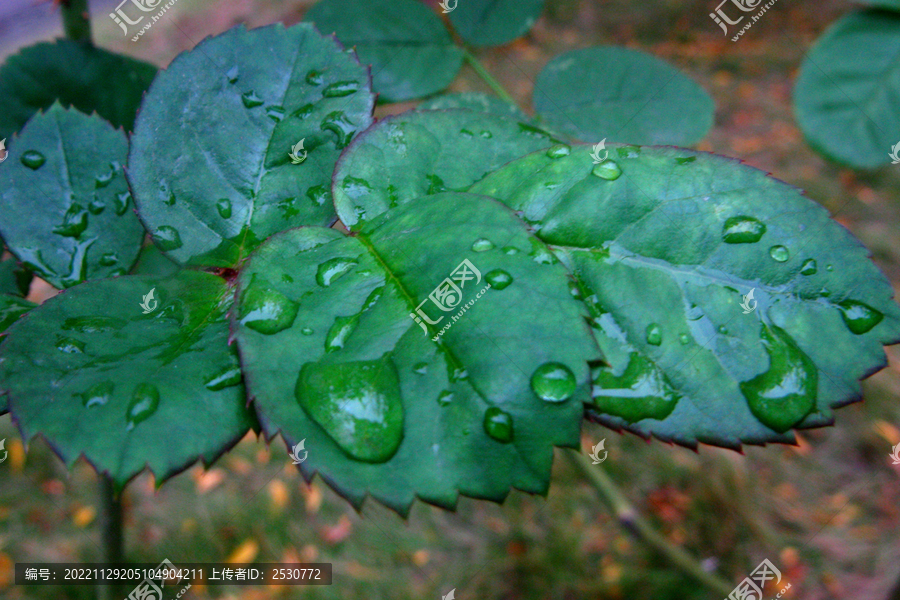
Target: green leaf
[
  {"x": 622, "y": 95},
  {"x": 12, "y": 307},
  {"x": 493, "y": 22},
  {"x": 334, "y": 357},
  {"x": 418, "y": 153},
  {"x": 93, "y": 374},
  {"x": 845, "y": 106},
  {"x": 80, "y": 75},
  {"x": 885, "y": 4},
  {"x": 14, "y": 278},
  {"x": 64, "y": 199},
  {"x": 411, "y": 52},
  {"x": 210, "y": 161},
  {"x": 666, "y": 245},
  {"x": 153, "y": 262},
  {"x": 474, "y": 101}
]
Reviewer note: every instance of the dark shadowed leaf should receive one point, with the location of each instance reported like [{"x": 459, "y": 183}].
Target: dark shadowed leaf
[
  {"x": 15, "y": 279},
  {"x": 493, "y": 22}
]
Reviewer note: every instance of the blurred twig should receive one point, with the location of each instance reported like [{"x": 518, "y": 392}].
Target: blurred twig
[{"x": 76, "y": 20}]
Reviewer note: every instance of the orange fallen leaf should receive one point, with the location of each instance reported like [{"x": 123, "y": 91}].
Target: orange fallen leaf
[{"x": 244, "y": 553}]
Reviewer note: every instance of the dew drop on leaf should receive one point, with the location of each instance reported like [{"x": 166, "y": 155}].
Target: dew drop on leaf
[
  {"x": 314, "y": 78},
  {"x": 103, "y": 180},
  {"x": 340, "y": 89},
  {"x": 276, "y": 113},
  {"x": 420, "y": 368},
  {"x": 224, "y": 208},
  {"x": 98, "y": 394},
  {"x": 607, "y": 170},
  {"x": 338, "y": 123},
  {"x": 859, "y": 318},
  {"x": 267, "y": 310},
  {"x": 684, "y": 339},
  {"x": 334, "y": 268},
  {"x": 654, "y": 334},
  {"x": 167, "y": 238},
  {"x": 307, "y": 331},
  {"x": 742, "y": 230},
  {"x": 319, "y": 194},
  {"x": 640, "y": 392},
  {"x": 250, "y": 99},
  {"x": 445, "y": 398},
  {"x": 559, "y": 150},
  {"x": 779, "y": 253},
  {"x": 122, "y": 200},
  {"x": 339, "y": 332},
  {"x": 233, "y": 74},
  {"x": 358, "y": 404},
  {"x": 144, "y": 402},
  {"x": 96, "y": 206},
  {"x": 499, "y": 279},
  {"x": 553, "y": 382},
  {"x": 482, "y": 245},
  {"x": 69, "y": 345},
  {"x": 498, "y": 425},
  {"x": 510, "y": 250},
  {"x": 33, "y": 159},
  {"x": 75, "y": 221},
  {"x": 229, "y": 377}
]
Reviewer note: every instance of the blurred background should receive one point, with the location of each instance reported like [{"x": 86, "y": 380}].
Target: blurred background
[{"x": 826, "y": 512}]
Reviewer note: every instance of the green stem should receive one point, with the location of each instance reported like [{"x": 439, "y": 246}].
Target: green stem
[
  {"x": 630, "y": 519},
  {"x": 111, "y": 531},
  {"x": 76, "y": 20},
  {"x": 487, "y": 77}
]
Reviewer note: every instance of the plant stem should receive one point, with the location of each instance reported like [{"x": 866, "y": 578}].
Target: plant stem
[
  {"x": 111, "y": 530},
  {"x": 487, "y": 77},
  {"x": 76, "y": 20},
  {"x": 630, "y": 519}
]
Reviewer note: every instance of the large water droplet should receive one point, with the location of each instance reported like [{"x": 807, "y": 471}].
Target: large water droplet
[
  {"x": 229, "y": 377},
  {"x": 167, "y": 238},
  {"x": 267, "y": 310},
  {"x": 498, "y": 425},
  {"x": 319, "y": 194},
  {"x": 340, "y": 89},
  {"x": 782, "y": 396},
  {"x": 640, "y": 392},
  {"x": 224, "y": 208},
  {"x": 499, "y": 279},
  {"x": 607, "y": 170},
  {"x": 144, "y": 402},
  {"x": 33, "y": 159},
  {"x": 859, "y": 318},
  {"x": 553, "y": 382},
  {"x": 358, "y": 404},
  {"x": 654, "y": 334},
  {"x": 75, "y": 221},
  {"x": 742, "y": 230},
  {"x": 69, "y": 345},
  {"x": 315, "y": 77},
  {"x": 809, "y": 267},
  {"x": 482, "y": 245},
  {"x": 339, "y": 332},
  {"x": 779, "y": 253},
  {"x": 98, "y": 395},
  {"x": 333, "y": 269},
  {"x": 558, "y": 151},
  {"x": 251, "y": 100},
  {"x": 121, "y": 202},
  {"x": 78, "y": 263},
  {"x": 338, "y": 123}
]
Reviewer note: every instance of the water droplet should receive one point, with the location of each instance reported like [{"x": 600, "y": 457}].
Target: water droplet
[
  {"x": 227, "y": 378},
  {"x": 373, "y": 298},
  {"x": 109, "y": 259},
  {"x": 78, "y": 263},
  {"x": 541, "y": 254},
  {"x": 358, "y": 404},
  {"x": 224, "y": 208},
  {"x": 69, "y": 345},
  {"x": 75, "y": 221},
  {"x": 420, "y": 368},
  {"x": 93, "y": 324},
  {"x": 859, "y": 318},
  {"x": 33, "y": 159},
  {"x": 98, "y": 395},
  {"x": 267, "y": 310},
  {"x": 356, "y": 188},
  {"x": 482, "y": 245},
  {"x": 314, "y": 78},
  {"x": 466, "y": 133},
  {"x": 684, "y": 339},
  {"x": 169, "y": 199},
  {"x": 339, "y": 332},
  {"x": 340, "y": 89},
  {"x": 498, "y": 425},
  {"x": 144, "y": 402},
  {"x": 435, "y": 184},
  {"x": 96, "y": 206},
  {"x": 338, "y": 123},
  {"x": 319, "y": 194},
  {"x": 686, "y": 160},
  {"x": 809, "y": 267},
  {"x": 103, "y": 180},
  {"x": 558, "y": 151},
  {"x": 654, "y": 334},
  {"x": 607, "y": 170},
  {"x": 445, "y": 398},
  {"x": 723, "y": 330},
  {"x": 829, "y": 268},
  {"x": 276, "y": 113},
  {"x": 511, "y": 250},
  {"x": 304, "y": 111},
  {"x": 233, "y": 74},
  {"x": 334, "y": 268},
  {"x": 553, "y": 382},
  {"x": 457, "y": 374},
  {"x": 779, "y": 253},
  {"x": 575, "y": 290},
  {"x": 742, "y": 230},
  {"x": 640, "y": 392},
  {"x": 167, "y": 238},
  {"x": 499, "y": 279},
  {"x": 251, "y": 100},
  {"x": 486, "y": 134},
  {"x": 782, "y": 396},
  {"x": 122, "y": 200}
]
